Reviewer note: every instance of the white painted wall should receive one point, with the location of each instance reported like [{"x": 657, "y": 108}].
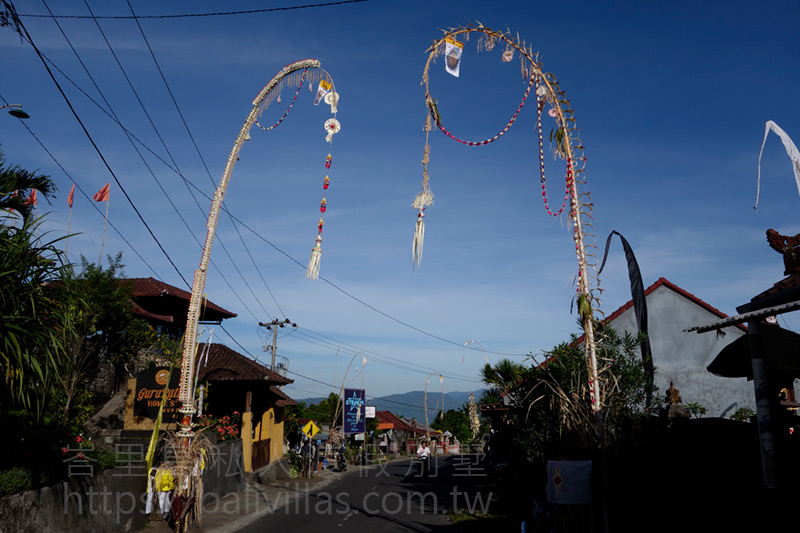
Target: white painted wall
[{"x": 682, "y": 357}]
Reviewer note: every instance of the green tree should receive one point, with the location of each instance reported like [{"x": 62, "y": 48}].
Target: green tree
[
  {"x": 328, "y": 411},
  {"x": 490, "y": 395},
  {"x": 323, "y": 412},
  {"x": 29, "y": 263},
  {"x": 504, "y": 378},
  {"x": 95, "y": 318},
  {"x": 456, "y": 421},
  {"x": 16, "y": 185},
  {"x": 93, "y": 313}
]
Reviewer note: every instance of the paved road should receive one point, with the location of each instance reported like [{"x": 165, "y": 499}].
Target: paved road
[{"x": 391, "y": 497}]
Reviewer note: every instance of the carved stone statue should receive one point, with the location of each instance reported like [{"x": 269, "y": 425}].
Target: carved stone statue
[
  {"x": 673, "y": 395},
  {"x": 676, "y": 410}
]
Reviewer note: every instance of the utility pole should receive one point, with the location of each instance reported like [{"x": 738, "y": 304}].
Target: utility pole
[{"x": 274, "y": 325}]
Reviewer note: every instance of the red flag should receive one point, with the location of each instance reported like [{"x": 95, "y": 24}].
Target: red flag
[
  {"x": 32, "y": 198},
  {"x": 71, "y": 195},
  {"x": 102, "y": 194}
]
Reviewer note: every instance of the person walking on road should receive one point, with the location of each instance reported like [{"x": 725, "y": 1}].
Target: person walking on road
[{"x": 424, "y": 456}]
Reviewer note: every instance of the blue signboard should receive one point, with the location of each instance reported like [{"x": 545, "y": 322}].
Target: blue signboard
[{"x": 354, "y": 412}]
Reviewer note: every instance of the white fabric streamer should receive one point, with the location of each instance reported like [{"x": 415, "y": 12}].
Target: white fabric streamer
[{"x": 791, "y": 151}]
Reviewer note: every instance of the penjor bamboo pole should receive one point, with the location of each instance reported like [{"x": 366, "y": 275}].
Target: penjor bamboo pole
[
  {"x": 584, "y": 289},
  {"x": 198, "y": 284}
]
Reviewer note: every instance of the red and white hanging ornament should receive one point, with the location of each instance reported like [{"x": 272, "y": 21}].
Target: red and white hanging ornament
[{"x": 327, "y": 93}]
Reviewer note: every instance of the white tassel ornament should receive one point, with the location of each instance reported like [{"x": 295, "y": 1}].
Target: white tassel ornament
[
  {"x": 312, "y": 272},
  {"x": 422, "y": 200}
]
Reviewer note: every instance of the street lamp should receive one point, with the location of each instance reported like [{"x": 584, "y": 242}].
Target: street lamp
[
  {"x": 16, "y": 111},
  {"x": 341, "y": 391}
]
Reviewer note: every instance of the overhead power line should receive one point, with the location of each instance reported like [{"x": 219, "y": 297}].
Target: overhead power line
[
  {"x": 336, "y": 387},
  {"x": 236, "y": 220},
  {"x": 28, "y": 38},
  {"x": 174, "y": 165},
  {"x": 80, "y": 189},
  {"x": 188, "y": 15}
]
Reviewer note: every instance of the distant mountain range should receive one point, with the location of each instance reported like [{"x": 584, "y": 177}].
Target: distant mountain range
[{"x": 412, "y": 404}]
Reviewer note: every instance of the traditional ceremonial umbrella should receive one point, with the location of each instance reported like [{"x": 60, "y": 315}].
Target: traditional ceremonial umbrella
[{"x": 781, "y": 349}]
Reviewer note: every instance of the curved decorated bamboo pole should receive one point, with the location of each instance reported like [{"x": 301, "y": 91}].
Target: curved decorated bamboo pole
[
  {"x": 186, "y": 392},
  {"x": 567, "y": 147},
  {"x": 427, "y": 427}
]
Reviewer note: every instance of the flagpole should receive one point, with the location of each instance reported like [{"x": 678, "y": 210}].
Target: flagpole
[
  {"x": 100, "y": 259},
  {"x": 69, "y": 225},
  {"x": 69, "y": 221}
]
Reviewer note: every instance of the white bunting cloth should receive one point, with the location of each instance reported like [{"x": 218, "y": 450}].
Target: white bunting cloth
[{"x": 791, "y": 151}]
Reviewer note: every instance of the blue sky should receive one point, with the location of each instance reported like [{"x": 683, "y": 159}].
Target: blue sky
[{"x": 671, "y": 99}]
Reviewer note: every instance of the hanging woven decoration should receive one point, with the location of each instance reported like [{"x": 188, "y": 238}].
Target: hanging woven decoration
[
  {"x": 565, "y": 145},
  {"x": 332, "y": 126}
]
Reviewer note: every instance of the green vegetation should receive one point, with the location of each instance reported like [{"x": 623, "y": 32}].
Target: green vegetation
[
  {"x": 225, "y": 427},
  {"x": 56, "y": 324},
  {"x": 549, "y": 403},
  {"x": 695, "y": 409},
  {"x": 456, "y": 422},
  {"x": 743, "y": 414}
]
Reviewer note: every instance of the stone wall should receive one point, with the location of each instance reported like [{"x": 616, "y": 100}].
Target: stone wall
[
  {"x": 104, "y": 381},
  {"x": 225, "y": 474},
  {"x": 110, "y": 501}
]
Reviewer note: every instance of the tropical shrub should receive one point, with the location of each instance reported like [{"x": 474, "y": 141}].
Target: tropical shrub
[
  {"x": 550, "y": 401},
  {"x": 225, "y": 428},
  {"x": 743, "y": 414}
]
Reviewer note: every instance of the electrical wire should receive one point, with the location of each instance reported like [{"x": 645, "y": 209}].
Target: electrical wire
[
  {"x": 205, "y": 166},
  {"x": 28, "y": 37},
  {"x": 213, "y": 14},
  {"x": 93, "y": 204},
  {"x": 336, "y": 388},
  {"x": 300, "y": 264},
  {"x": 380, "y": 358},
  {"x": 288, "y": 256},
  {"x": 166, "y": 148}
]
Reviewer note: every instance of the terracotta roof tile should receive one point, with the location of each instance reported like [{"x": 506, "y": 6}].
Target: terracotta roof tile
[
  {"x": 660, "y": 282},
  {"x": 150, "y": 287},
  {"x": 793, "y": 280},
  {"x": 283, "y": 399},
  {"x": 666, "y": 283},
  {"x": 140, "y": 311},
  {"x": 226, "y": 364},
  {"x": 387, "y": 417}
]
